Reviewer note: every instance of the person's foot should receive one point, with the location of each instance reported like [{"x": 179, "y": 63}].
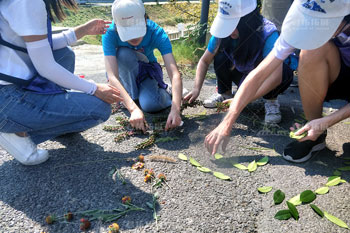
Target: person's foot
[
  {"x": 299, "y": 152},
  {"x": 272, "y": 112},
  {"x": 184, "y": 91},
  {"x": 214, "y": 99},
  {"x": 23, "y": 149}
]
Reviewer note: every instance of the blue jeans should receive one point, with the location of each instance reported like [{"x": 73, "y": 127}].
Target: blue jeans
[
  {"x": 45, "y": 117},
  {"x": 151, "y": 97}
]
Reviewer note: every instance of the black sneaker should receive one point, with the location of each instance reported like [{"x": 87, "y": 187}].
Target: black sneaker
[{"x": 299, "y": 152}]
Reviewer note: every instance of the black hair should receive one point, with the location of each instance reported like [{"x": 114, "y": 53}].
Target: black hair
[
  {"x": 250, "y": 41},
  {"x": 54, "y": 8}
]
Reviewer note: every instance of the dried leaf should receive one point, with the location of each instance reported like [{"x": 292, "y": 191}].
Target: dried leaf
[
  {"x": 218, "y": 156},
  {"x": 335, "y": 220},
  {"x": 265, "y": 189},
  {"x": 257, "y": 148},
  {"x": 333, "y": 180},
  {"x": 293, "y": 210},
  {"x": 263, "y": 161},
  {"x": 204, "y": 169},
  {"x": 317, "y": 210},
  {"x": 240, "y": 166},
  {"x": 194, "y": 162},
  {"x": 344, "y": 168},
  {"x": 295, "y": 200},
  {"x": 278, "y": 197},
  {"x": 252, "y": 166},
  {"x": 283, "y": 215},
  {"x": 161, "y": 158},
  {"x": 182, "y": 157},
  {"x": 307, "y": 196},
  {"x": 221, "y": 176},
  {"x": 322, "y": 190}
]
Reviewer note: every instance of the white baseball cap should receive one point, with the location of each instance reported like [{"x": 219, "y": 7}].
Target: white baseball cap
[
  {"x": 129, "y": 18},
  {"x": 309, "y": 24},
  {"x": 229, "y": 13}
]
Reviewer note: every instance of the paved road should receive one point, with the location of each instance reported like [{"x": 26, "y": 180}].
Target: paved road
[{"x": 76, "y": 176}]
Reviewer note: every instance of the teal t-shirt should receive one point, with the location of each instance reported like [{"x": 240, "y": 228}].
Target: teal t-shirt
[{"x": 155, "y": 38}]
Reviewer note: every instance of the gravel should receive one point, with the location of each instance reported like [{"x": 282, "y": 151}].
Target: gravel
[{"x": 76, "y": 177}]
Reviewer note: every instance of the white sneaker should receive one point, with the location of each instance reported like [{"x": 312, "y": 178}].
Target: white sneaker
[
  {"x": 184, "y": 91},
  {"x": 272, "y": 112},
  {"x": 23, "y": 149},
  {"x": 214, "y": 99}
]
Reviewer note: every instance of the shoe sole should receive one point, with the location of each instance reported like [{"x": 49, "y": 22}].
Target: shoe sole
[{"x": 318, "y": 147}]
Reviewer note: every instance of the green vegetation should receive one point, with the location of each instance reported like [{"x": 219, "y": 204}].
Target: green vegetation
[{"x": 186, "y": 51}]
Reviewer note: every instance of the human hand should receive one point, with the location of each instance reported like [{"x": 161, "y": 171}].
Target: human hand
[
  {"x": 192, "y": 96},
  {"x": 174, "y": 120},
  {"x": 219, "y": 135},
  {"x": 96, "y": 27},
  {"x": 108, "y": 93},
  {"x": 313, "y": 128},
  {"x": 137, "y": 120}
]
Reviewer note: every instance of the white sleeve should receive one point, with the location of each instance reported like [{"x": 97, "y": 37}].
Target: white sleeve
[
  {"x": 282, "y": 49},
  {"x": 27, "y": 18},
  {"x": 64, "y": 39},
  {"x": 42, "y": 58}
]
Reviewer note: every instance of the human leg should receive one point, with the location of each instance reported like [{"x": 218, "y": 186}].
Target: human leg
[
  {"x": 152, "y": 98},
  {"x": 225, "y": 75},
  {"x": 318, "y": 70},
  {"x": 44, "y": 117},
  {"x": 128, "y": 69}
]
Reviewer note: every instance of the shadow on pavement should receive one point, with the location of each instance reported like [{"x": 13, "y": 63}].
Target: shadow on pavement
[{"x": 75, "y": 178}]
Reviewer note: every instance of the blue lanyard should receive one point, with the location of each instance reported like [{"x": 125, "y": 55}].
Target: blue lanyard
[{"x": 49, "y": 31}]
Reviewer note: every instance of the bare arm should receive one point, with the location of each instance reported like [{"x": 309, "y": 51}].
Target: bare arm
[
  {"x": 202, "y": 69},
  {"x": 317, "y": 126},
  {"x": 137, "y": 119},
  {"x": 174, "y": 118},
  {"x": 93, "y": 27},
  {"x": 245, "y": 94}
]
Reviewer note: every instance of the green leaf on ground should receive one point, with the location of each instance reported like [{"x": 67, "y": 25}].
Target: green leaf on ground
[
  {"x": 333, "y": 180},
  {"x": 322, "y": 190},
  {"x": 342, "y": 181},
  {"x": 347, "y": 162},
  {"x": 182, "y": 157},
  {"x": 221, "y": 176},
  {"x": 317, "y": 210},
  {"x": 346, "y": 158},
  {"x": 344, "y": 168},
  {"x": 283, "y": 215},
  {"x": 347, "y": 123},
  {"x": 307, "y": 196},
  {"x": 240, "y": 166},
  {"x": 278, "y": 197},
  {"x": 218, "y": 156},
  {"x": 335, "y": 220},
  {"x": 295, "y": 200},
  {"x": 265, "y": 189},
  {"x": 292, "y": 135},
  {"x": 293, "y": 210},
  {"x": 204, "y": 169},
  {"x": 263, "y": 161},
  {"x": 252, "y": 166},
  {"x": 194, "y": 162},
  {"x": 337, "y": 173}
]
